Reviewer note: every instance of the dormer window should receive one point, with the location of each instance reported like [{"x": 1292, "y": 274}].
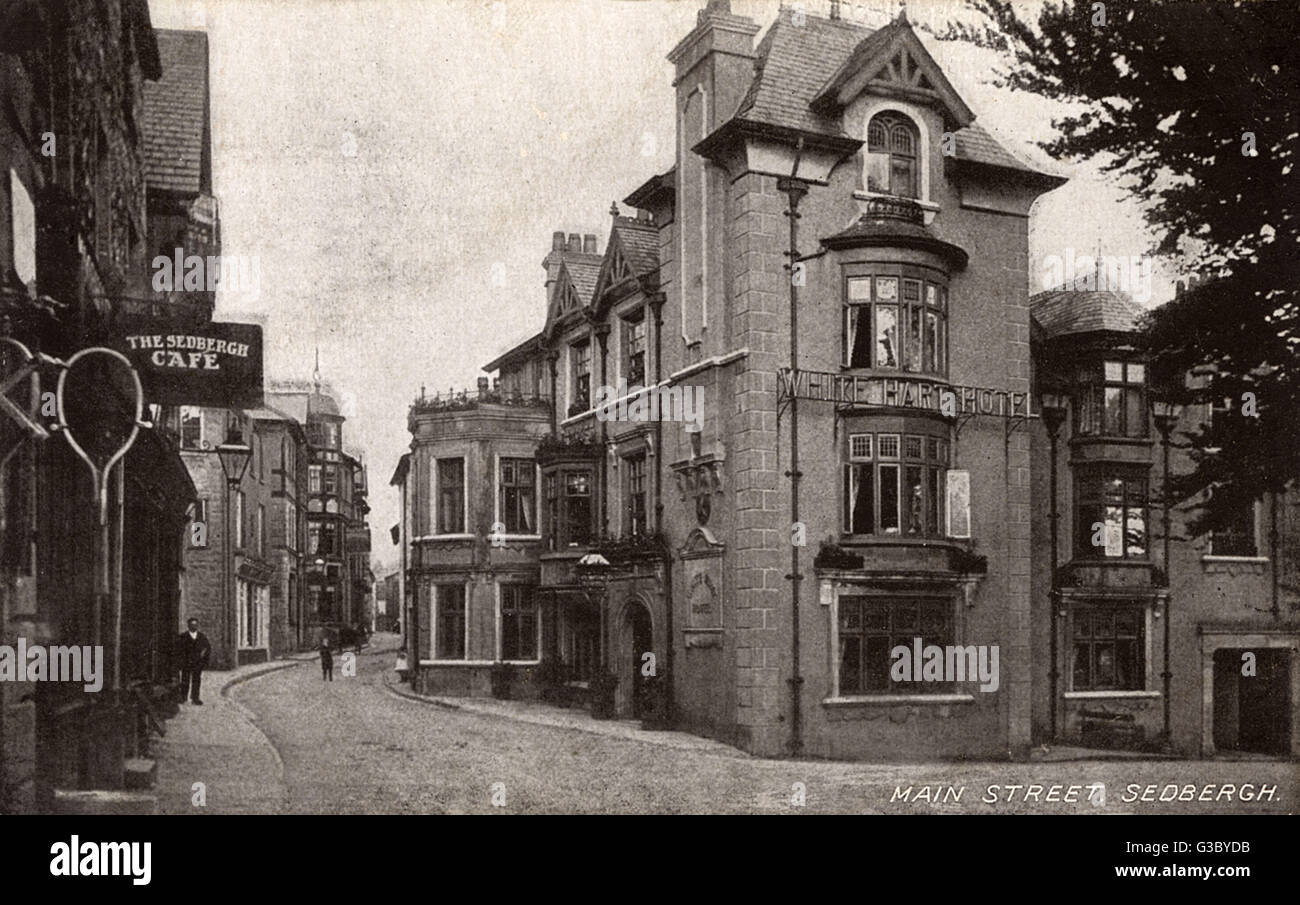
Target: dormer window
[{"x": 892, "y": 156}]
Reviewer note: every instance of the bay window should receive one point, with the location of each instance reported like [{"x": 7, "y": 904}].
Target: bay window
[
  {"x": 569, "y": 508},
  {"x": 895, "y": 320},
  {"x": 894, "y": 484},
  {"x": 1109, "y": 649},
  {"x": 871, "y": 627},
  {"x": 1111, "y": 517},
  {"x": 1112, "y": 400}
]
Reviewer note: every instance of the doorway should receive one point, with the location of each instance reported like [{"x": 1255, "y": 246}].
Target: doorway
[
  {"x": 1252, "y": 713},
  {"x": 638, "y": 640}
]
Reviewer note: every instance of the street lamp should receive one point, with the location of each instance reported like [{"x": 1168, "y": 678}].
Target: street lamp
[
  {"x": 1166, "y": 413},
  {"x": 234, "y": 455},
  {"x": 1052, "y": 406}
]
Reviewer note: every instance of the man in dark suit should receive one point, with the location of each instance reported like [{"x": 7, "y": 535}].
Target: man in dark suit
[{"x": 192, "y": 653}]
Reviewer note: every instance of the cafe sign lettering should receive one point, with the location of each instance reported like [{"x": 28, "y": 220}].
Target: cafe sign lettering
[
  {"x": 949, "y": 400},
  {"x": 215, "y": 364}
]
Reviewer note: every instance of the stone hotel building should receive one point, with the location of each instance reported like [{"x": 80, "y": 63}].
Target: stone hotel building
[{"x": 873, "y": 464}]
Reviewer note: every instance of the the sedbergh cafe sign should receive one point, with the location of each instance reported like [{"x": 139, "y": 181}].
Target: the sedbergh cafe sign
[{"x": 950, "y": 400}]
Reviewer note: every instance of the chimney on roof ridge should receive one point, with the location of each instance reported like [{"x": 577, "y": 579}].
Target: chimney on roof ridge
[
  {"x": 575, "y": 243},
  {"x": 557, "y": 240},
  {"x": 589, "y": 244},
  {"x": 835, "y": 9}
]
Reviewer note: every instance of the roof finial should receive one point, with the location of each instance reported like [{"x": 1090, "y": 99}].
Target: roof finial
[
  {"x": 315, "y": 375},
  {"x": 613, "y": 208},
  {"x": 902, "y": 12}
]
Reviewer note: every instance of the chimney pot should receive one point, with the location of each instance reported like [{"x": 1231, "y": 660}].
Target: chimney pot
[
  {"x": 589, "y": 244},
  {"x": 557, "y": 240},
  {"x": 482, "y": 386},
  {"x": 1179, "y": 288},
  {"x": 575, "y": 242}
]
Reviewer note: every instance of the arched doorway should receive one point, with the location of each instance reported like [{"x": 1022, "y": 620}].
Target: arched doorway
[{"x": 637, "y": 639}]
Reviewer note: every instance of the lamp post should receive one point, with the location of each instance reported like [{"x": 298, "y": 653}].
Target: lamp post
[
  {"x": 794, "y": 189},
  {"x": 592, "y": 572},
  {"x": 1053, "y": 406},
  {"x": 1166, "y": 414},
  {"x": 234, "y": 455}
]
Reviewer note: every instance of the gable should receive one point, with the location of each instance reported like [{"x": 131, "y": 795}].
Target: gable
[
  {"x": 564, "y": 300},
  {"x": 615, "y": 268},
  {"x": 892, "y": 62}
]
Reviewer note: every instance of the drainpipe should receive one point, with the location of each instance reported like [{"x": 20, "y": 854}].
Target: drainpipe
[
  {"x": 552, "y": 360},
  {"x": 1273, "y": 552},
  {"x": 1054, "y": 517},
  {"x": 657, "y": 305},
  {"x": 602, "y": 337},
  {"x": 1167, "y": 675},
  {"x": 794, "y": 189}
]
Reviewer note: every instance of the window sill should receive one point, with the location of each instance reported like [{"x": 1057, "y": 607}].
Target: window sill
[
  {"x": 893, "y": 700},
  {"x": 518, "y": 536},
  {"x": 437, "y": 537},
  {"x": 1233, "y": 566},
  {"x": 1108, "y": 695}
]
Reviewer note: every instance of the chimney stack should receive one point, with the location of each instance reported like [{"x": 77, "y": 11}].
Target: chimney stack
[
  {"x": 589, "y": 244},
  {"x": 557, "y": 240},
  {"x": 575, "y": 243}
]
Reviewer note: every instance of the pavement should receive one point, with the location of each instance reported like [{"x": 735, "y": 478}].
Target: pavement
[
  {"x": 275, "y": 738},
  {"x": 542, "y": 714}
]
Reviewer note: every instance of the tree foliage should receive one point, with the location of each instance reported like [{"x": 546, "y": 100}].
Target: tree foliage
[{"x": 1195, "y": 108}]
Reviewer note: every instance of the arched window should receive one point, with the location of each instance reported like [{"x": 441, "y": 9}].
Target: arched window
[{"x": 892, "y": 154}]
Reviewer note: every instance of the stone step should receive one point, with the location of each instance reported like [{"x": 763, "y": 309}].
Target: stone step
[{"x": 99, "y": 801}]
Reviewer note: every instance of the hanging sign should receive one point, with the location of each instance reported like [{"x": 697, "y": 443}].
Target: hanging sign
[{"x": 215, "y": 364}]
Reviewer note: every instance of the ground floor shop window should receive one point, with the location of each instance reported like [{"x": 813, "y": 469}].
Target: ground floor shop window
[
  {"x": 871, "y": 627},
  {"x": 1109, "y": 649}
]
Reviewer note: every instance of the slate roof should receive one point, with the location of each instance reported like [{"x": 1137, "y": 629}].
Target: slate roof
[
  {"x": 176, "y": 138},
  {"x": 583, "y": 271},
  {"x": 795, "y": 63},
  {"x": 640, "y": 242},
  {"x": 1061, "y": 312}
]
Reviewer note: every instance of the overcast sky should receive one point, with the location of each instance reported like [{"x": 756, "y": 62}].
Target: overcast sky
[{"x": 397, "y": 167}]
